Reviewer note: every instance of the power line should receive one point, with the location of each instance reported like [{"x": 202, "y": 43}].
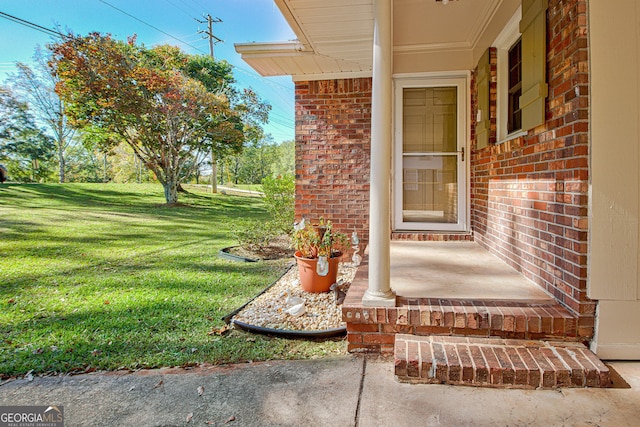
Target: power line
[
  {"x": 30, "y": 24},
  {"x": 179, "y": 8},
  {"x": 196, "y": 10},
  {"x": 150, "y": 26},
  {"x": 276, "y": 119},
  {"x": 198, "y": 4}
]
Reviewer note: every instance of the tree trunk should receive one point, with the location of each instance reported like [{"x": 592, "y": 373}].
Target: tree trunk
[
  {"x": 62, "y": 164},
  {"x": 171, "y": 191}
]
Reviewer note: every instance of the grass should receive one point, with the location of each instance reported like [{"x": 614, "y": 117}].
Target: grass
[
  {"x": 105, "y": 276},
  {"x": 250, "y": 187}
]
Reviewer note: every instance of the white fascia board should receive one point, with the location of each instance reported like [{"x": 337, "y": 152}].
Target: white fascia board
[{"x": 269, "y": 48}]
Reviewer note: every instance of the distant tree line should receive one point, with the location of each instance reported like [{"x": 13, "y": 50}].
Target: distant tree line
[{"x": 94, "y": 109}]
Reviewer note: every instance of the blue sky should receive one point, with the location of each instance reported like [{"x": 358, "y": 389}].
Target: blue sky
[{"x": 243, "y": 21}]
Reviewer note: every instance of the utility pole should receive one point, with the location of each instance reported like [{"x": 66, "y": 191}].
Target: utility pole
[{"x": 212, "y": 41}]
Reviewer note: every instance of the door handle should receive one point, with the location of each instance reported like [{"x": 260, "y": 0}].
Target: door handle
[{"x": 461, "y": 152}]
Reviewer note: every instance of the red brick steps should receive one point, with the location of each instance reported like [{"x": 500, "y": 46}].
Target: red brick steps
[{"x": 496, "y": 362}]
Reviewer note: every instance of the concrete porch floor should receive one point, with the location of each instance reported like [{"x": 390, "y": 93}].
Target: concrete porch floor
[
  {"x": 457, "y": 270},
  {"x": 456, "y": 289}
]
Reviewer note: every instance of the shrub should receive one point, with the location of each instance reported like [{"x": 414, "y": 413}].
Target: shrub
[
  {"x": 254, "y": 235},
  {"x": 279, "y": 199}
]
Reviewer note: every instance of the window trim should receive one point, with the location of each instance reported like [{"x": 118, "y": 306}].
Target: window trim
[{"x": 505, "y": 40}]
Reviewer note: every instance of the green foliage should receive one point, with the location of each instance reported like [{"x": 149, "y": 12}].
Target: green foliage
[
  {"x": 313, "y": 241},
  {"x": 255, "y": 235},
  {"x": 285, "y": 159},
  {"x": 125, "y": 166},
  {"x": 279, "y": 199},
  {"x": 257, "y": 161},
  {"x": 85, "y": 165},
  {"x": 172, "y": 108},
  {"x": 36, "y": 85},
  {"x": 27, "y": 152},
  {"x": 104, "y": 276}
]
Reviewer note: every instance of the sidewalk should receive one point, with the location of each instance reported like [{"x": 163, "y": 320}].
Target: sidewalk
[{"x": 323, "y": 392}]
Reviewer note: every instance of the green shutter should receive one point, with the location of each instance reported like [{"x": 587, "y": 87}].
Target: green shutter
[
  {"x": 533, "y": 28},
  {"x": 484, "y": 124}
]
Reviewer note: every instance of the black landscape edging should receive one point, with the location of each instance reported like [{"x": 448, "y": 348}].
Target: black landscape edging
[
  {"x": 289, "y": 333},
  {"x": 225, "y": 254},
  {"x": 284, "y": 333}
]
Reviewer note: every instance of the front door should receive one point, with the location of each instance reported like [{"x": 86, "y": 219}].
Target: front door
[{"x": 430, "y": 157}]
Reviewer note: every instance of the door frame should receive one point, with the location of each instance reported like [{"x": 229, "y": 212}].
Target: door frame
[{"x": 460, "y": 79}]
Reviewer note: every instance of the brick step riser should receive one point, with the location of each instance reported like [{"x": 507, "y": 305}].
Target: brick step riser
[
  {"x": 374, "y": 329},
  {"x": 497, "y": 363}
]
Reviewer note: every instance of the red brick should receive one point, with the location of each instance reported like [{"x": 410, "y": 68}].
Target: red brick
[
  {"x": 362, "y": 327},
  {"x": 494, "y": 368},
  {"x": 563, "y": 375},
  {"x": 508, "y": 373},
  {"x": 432, "y": 330},
  {"x": 548, "y": 379},
  {"x": 554, "y": 152},
  {"x": 354, "y": 338},
  {"x": 413, "y": 359},
  {"x": 455, "y": 370},
  {"x": 427, "y": 359},
  {"x": 378, "y": 338},
  {"x": 519, "y": 368},
  {"x": 400, "y": 358},
  {"x": 466, "y": 363},
  {"x": 534, "y": 374},
  {"x": 439, "y": 362},
  {"x": 576, "y": 370},
  {"x": 401, "y": 329},
  {"x": 338, "y": 114}
]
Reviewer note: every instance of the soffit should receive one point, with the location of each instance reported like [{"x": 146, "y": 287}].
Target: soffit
[
  {"x": 427, "y": 25},
  {"x": 335, "y": 37},
  {"x": 341, "y": 29}
]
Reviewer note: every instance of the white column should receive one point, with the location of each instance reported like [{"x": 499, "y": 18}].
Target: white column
[{"x": 379, "y": 292}]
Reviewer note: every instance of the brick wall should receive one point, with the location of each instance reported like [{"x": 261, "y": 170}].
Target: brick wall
[
  {"x": 333, "y": 143},
  {"x": 529, "y": 196}
]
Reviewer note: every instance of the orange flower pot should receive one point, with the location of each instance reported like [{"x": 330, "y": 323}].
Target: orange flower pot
[{"x": 310, "y": 280}]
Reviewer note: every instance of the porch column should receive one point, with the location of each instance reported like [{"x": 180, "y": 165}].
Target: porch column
[{"x": 379, "y": 292}]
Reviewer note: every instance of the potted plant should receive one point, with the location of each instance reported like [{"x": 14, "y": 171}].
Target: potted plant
[{"x": 318, "y": 251}]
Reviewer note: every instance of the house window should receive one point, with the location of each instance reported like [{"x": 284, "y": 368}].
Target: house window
[
  {"x": 508, "y": 46},
  {"x": 514, "y": 114}
]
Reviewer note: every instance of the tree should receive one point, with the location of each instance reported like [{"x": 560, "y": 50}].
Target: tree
[
  {"x": 26, "y": 150},
  {"x": 37, "y": 86},
  {"x": 285, "y": 159},
  {"x": 169, "y": 107}
]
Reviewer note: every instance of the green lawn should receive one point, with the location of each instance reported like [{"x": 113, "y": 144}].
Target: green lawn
[{"x": 104, "y": 276}]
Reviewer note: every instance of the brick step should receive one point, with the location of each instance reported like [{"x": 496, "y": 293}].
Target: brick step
[
  {"x": 490, "y": 362},
  {"x": 434, "y": 237},
  {"x": 373, "y": 329}
]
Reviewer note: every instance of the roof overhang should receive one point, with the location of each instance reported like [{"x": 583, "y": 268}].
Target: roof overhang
[
  {"x": 335, "y": 37},
  {"x": 293, "y": 59}
]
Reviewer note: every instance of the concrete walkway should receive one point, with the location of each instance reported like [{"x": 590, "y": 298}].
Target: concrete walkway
[{"x": 347, "y": 391}]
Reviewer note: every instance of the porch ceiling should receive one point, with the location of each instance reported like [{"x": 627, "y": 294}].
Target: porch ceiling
[{"x": 336, "y": 36}]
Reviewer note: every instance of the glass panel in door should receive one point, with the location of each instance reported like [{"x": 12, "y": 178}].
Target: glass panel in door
[{"x": 430, "y": 156}]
